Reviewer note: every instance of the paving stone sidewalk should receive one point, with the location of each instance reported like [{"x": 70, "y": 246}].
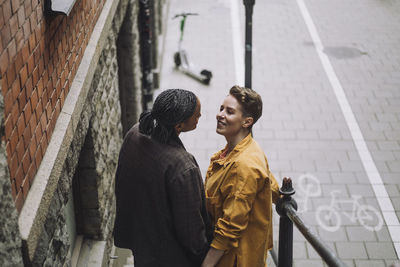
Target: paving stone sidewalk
[{"x": 303, "y": 130}]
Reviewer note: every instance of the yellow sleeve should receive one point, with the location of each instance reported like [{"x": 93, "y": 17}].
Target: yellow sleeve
[
  {"x": 239, "y": 191},
  {"x": 274, "y": 187}
]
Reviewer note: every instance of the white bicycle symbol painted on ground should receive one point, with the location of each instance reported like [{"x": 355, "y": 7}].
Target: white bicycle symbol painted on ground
[{"x": 329, "y": 216}]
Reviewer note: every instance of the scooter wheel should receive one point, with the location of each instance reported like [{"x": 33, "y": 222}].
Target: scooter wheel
[
  {"x": 177, "y": 59},
  {"x": 207, "y": 74}
]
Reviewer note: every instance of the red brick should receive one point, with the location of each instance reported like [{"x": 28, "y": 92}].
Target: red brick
[
  {"x": 34, "y": 4},
  {"x": 31, "y": 172},
  {"x": 34, "y": 99},
  {"x": 32, "y": 147},
  {"x": 19, "y": 176},
  {"x": 40, "y": 87},
  {"x": 41, "y": 65},
  {"x": 45, "y": 98},
  {"x": 36, "y": 51},
  {"x": 38, "y": 156},
  {"x": 20, "y": 125},
  {"x": 8, "y": 102},
  {"x": 42, "y": 45},
  {"x": 19, "y": 39},
  {"x": 12, "y": 50},
  {"x": 23, "y": 75},
  {"x": 9, "y": 153},
  {"x": 33, "y": 20},
  {"x": 7, "y": 12},
  {"x": 53, "y": 99},
  {"x": 13, "y": 165},
  {"x": 14, "y": 24},
  {"x": 38, "y": 134},
  {"x": 31, "y": 64},
  {"x": 4, "y": 83},
  {"x": 39, "y": 110},
  {"x": 27, "y": 29},
  {"x": 19, "y": 201},
  {"x": 21, "y": 16},
  {"x": 28, "y": 8},
  {"x": 33, "y": 123},
  {"x": 26, "y": 161},
  {"x": 58, "y": 87},
  {"x": 45, "y": 74},
  {"x": 1, "y": 43},
  {"x": 19, "y": 63},
  {"x": 25, "y": 187},
  {"x": 27, "y": 136},
  {"x": 48, "y": 110},
  {"x": 62, "y": 98},
  {"x": 13, "y": 189},
  {"x": 20, "y": 150},
  {"x": 43, "y": 120},
  {"x": 22, "y": 100},
  {"x": 15, "y": 90},
  {"x": 58, "y": 107},
  {"x": 29, "y": 87},
  {"x": 46, "y": 57},
  {"x": 8, "y": 127},
  {"x": 1, "y": 17},
  {"x": 28, "y": 111},
  {"x": 5, "y": 35},
  {"x": 32, "y": 43},
  {"x": 14, "y": 112},
  {"x": 14, "y": 5},
  {"x": 35, "y": 75},
  {"x": 25, "y": 52},
  {"x": 11, "y": 76},
  {"x": 3, "y": 61},
  {"x": 13, "y": 140},
  {"x": 51, "y": 48},
  {"x": 43, "y": 143},
  {"x": 39, "y": 11}
]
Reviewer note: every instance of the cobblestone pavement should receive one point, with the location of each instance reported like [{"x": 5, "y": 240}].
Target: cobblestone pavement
[{"x": 329, "y": 75}]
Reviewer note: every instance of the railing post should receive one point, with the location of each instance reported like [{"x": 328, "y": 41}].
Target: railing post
[
  {"x": 285, "y": 253},
  {"x": 249, "y": 4}
]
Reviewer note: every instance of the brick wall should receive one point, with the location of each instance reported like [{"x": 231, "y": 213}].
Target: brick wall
[{"x": 39, "y": 56}]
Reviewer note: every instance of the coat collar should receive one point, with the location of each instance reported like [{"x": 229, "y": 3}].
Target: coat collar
[{"x": 215, "y": 159}]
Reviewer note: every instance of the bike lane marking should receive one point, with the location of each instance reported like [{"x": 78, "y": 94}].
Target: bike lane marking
[{"x": 374, "y": 177}]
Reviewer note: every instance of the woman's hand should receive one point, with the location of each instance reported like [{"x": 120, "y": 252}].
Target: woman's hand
[{"x": 212, "y": 257}]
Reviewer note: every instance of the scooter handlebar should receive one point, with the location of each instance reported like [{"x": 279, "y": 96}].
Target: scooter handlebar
[{"x": 185, "y": 15}]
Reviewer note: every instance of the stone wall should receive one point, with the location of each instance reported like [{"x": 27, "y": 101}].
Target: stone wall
[
  {"x": 90, "y": 163},
  {"x": 74, "y": 191},
  {"x": 10, "y": 240}
]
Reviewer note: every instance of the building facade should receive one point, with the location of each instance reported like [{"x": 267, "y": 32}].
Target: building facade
[{"x": 72, "y": 85}]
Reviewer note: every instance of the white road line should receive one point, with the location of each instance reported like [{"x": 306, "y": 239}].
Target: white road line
[
  {"x": 375, "y": 179},
  {"x": 238, "y": 47}
]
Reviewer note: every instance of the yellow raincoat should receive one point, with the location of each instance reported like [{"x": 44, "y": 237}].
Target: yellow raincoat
[{"x": 240, "y": 190}]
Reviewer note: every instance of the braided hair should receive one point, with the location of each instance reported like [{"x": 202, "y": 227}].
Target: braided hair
[{"x": 171, "y": 107}]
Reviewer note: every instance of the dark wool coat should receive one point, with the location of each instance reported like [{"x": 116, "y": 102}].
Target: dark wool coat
[{"x": 161, "y": 213}]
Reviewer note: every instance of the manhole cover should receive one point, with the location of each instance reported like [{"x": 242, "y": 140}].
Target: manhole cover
[{"x": 342, "y": 52}]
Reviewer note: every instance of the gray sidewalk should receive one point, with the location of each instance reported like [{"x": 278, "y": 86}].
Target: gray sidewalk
[{"x": 304, "y": 131}]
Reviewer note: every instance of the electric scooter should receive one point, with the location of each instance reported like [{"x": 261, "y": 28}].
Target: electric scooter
[{"x": 181, "y": 58}]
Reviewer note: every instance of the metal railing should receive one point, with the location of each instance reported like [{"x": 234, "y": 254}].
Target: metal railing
[{"x": 286, "y": 208}]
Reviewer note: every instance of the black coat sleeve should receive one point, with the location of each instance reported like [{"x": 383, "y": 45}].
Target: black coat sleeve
[{"x": 186, "y": 195}]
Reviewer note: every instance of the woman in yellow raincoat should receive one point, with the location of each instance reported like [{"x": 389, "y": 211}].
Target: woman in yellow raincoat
[{"x": 240, "y": 188}]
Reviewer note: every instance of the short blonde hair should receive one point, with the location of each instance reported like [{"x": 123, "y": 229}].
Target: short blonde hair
[{"x": 250, "y": 101}]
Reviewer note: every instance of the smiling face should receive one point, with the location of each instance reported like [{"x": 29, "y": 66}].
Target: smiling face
[{"x": 230, "y": 119}]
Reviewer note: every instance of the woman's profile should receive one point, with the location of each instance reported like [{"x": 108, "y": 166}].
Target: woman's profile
[{"x": 240, "y": 188}]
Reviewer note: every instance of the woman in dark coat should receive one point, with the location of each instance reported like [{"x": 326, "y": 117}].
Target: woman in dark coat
[{"x": 161, "y": 214}]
